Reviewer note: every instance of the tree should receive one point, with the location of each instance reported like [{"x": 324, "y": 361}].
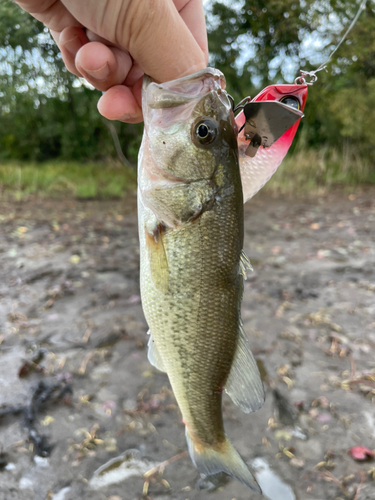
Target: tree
[
  {"x": 45, "y": 111},
  {"x": 258, "y": 42}
]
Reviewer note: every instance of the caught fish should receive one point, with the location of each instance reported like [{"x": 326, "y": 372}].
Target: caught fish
[{"x": 190, "y": 208}]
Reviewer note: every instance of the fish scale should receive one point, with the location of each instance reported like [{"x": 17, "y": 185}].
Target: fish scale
[{"x": 194, "y": 331}]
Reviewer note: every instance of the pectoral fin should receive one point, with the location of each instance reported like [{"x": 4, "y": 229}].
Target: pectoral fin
[
  {"x": 244, "y": 385},
  {"x": 157, "y": 257},
  {"x": 154, "y": 355}
]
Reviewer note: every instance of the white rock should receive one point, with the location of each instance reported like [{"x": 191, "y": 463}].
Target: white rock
[
  {"x": 25, "y": 483},
  {"x": 60, "y": 495}
]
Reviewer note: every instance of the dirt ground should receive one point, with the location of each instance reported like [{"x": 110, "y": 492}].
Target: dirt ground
[{"x": 77, "y": 388}]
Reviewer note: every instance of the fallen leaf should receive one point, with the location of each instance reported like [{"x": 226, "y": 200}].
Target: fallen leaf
[
  {"x": 324, "y": 417},
  {"x": 281, "y": 434},
  {"x": 48, "y": 419},
  {"x": 74, "y": 259},
  {"x": 361, "y": 453},
  {"x": 297, "y": 462}
]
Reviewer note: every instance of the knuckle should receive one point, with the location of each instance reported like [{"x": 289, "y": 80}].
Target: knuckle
[{"x": 136, "y": 19}]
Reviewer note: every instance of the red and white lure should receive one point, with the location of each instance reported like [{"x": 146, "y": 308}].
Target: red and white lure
[
  {"x": 268, "y": 123},
  {"x": 266, "y": 126}
]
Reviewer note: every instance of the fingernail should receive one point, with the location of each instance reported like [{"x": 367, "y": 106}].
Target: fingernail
[
  {"x": 98, "y": 74},
  {"x": 73, "y": 45}
]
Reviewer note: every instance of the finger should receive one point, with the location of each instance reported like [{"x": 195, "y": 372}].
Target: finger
[
  {"x": 70, "y": 41},
  {"x": 94, "y": 37},
  {"x": 152, "y": 32},
  {"x": 192, "y": 12},
  {"x": 52, "y": 13},
  {"x": 103, "y": 66},
  {"x": 122, "y": 103},
  {"x": 134, "y": 75}
]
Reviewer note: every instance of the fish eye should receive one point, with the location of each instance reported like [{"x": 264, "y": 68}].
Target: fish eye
[
  {"x": 205, "y": 132},
  {"x": 291, "y": 101}
]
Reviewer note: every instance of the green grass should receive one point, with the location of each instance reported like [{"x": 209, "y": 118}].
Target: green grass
[
  {"x": 65, "y": 180},
  {"x": 305, "y": 171},
  {"x": 315, "y": 171}
]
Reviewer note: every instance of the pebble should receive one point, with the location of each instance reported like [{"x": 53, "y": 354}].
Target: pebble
[{"x": 61, "y": 494}]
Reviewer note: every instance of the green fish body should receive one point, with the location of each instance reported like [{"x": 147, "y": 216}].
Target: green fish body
[{"x": 190, "y": 206}]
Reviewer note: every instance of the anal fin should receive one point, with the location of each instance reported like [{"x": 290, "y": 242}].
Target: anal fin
[
  {"x": 244, "y": 385},
  {"x": 245, "y": 264},
  {"x": 154, "y": 355}
]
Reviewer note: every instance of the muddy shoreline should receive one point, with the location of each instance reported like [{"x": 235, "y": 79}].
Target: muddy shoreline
[{"x": 70, "y": 313}]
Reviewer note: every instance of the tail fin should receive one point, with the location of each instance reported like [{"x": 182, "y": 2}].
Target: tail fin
[{"x": 227, "y": 459}]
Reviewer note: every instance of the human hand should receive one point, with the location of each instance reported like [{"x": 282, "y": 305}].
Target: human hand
[{"x": 113, "y": 43}]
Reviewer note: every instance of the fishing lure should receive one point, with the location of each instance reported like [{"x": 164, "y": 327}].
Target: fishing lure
[{"x": 267, "y": 125}]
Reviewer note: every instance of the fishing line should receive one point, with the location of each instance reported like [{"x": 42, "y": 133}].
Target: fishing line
[{"x": 312, "y": 74}]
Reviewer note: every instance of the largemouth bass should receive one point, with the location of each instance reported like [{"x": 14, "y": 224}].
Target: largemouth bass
[{"x": 190, "y": 208}]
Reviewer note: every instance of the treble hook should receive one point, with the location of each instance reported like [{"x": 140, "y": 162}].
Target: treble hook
[{"x": 240, "y": 105}]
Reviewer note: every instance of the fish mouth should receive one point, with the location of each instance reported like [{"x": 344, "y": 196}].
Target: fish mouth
[
  {"x": 182, "y": 90},
  {"x": 169, "y": 105},
  {"x": 187, "y": 81}
]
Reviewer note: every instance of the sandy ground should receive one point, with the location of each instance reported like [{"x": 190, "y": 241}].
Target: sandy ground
[{"x": 74, "y": 369}]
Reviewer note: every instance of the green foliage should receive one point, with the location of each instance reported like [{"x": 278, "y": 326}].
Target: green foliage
[
  {"x": 17, "y": 29},
  {"x": 270, "y": 28},
  {"x": 256, "y": 43},
  {"x": 46, "y": 113},
  {"x": 312, "y": 170},
  {"x": 66, "y": 179}
]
